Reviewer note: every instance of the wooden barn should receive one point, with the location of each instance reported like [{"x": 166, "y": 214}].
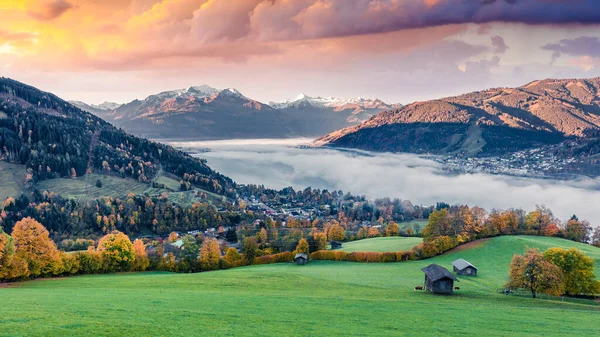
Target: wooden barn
[
  {"x": 438, "y": 279},
  {"x": 336, "y": 245},
  {"x": 301, "y": 258},
  {"x": 464, "y": 267}
]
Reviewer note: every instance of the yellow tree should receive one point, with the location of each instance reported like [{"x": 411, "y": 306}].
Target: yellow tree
[
  {"x": 232, "y": 256},
  {"x": 320, "y": 240},
  {"x": 392, "y": 229},
  {"x": 117, "y": 251},
  {"x": 302, "y": 247},
  {"x": 531, "y": 271},
  {"x": 210, "y": 254},
  {"x": 336, "y": 233},
  {"x": 577, "y": 269},
  {"x": 34, "y": 246},
  {"x": 141, "y": 261},
  {"x": 173, "y": 237}
]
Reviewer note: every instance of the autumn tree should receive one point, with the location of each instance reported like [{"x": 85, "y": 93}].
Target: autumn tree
[
  {"x": 578, "y": 230},
  {"x": 141, "y": 261},
  {"x": 320, "y": 240},
  {"x": 392, "y": 229},
  {"x": 210, "y": 254},
  {"x": 336, "y": 233},
  {"x": 250, "y": 249},
  {"x": 302, "y": 247},
  {"x": 577, "y": 270},
  {"x": 595, "y": 239},
  {"x": 531, "y": 271},
  {"x": 117, "y": 251},
  {"x": 10, "y": 266},
  {"x": 363, "y": 232},
  {"x": 232, "y": 256},
  {"x": 440, "y": 223},
  {"x": 373, "y": 232},
  {"x": 173, "y": 237},
  {"x": 33, "y": 245}
]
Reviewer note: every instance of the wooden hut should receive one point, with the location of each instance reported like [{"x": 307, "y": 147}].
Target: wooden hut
[
  {"x": 336, "y": 245},
  {"x": 464, "y": 267},
  {"x": 301, "y": 258},
  {"x": 438, "y": 279}
]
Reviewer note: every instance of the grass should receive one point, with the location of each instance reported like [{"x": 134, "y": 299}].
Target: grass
[
  {"x": 12, "y": 177},
  {"x": 413, "y": 224},
  {"x": 320, "y": 299},
  {"x": 384, "y": 244},
  {"x": 83, "y": 188}
]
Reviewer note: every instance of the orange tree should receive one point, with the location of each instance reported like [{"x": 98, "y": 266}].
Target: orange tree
[
  {"x": 531, "y": 271},
  {"x": 210, "y": 253},
  {"x": 117, "y": 251},
  {"x": 141, "y": 261},
  {"x": 302, "y": 247},
  {"x": 34, "y": 246}
]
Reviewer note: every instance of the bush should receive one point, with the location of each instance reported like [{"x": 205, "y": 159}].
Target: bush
[
  {"x": 99, "y": 183},
  {"x": 274, "y": 258}
]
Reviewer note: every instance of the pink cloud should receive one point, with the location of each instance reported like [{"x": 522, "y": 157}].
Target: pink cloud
[{"x": 47, "y": 10}]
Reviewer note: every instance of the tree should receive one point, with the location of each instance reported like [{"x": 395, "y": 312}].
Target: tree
[
  {"x": 320, "y": 240},
  {"x": 302, "y": 247},
  {"x": 250, "y": 249},
  {"x": 141, "y": 261},
  {"x": 173, "y": 237},
  {"x": 189, "y": 251},
  {"x": 531, "y": 271},
  {"x": 595, "y": 239},
  {"x": 336, "y": 233},
  {"x": 210, "y": 254},
  {"x": 33, "y": 245},
  {"x": 117, "y": 251},
  {"x": 99, "y": 183},
  {"x": 392, "y": 229},
  {"x": 373, "y": 232},
  {"x": 577, "y": 269},
  {"x": 232, "y": 256},
  {"x": 578, "y": 230}
]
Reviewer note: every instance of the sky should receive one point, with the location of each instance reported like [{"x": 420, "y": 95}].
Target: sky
[{"x": 397, "y": 50}]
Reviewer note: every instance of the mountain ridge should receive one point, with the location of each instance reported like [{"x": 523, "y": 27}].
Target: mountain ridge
[
  {"x": 204, "y": 112},
  {"x": 557, "y": 108}
]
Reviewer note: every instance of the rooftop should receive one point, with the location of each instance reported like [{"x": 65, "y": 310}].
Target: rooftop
[{"x": 435, "y": 272}]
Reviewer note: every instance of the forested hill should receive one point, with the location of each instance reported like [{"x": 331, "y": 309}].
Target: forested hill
[
  {"x": 488, "y": 122},
  {"x": 55, "y": 139}
]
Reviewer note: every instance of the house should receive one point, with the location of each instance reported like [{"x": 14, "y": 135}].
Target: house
[
  {"x": 301, "y": 258},
  {"x": 336, "y": 245},
  {"x": 464, "y": 267},
  {"x": 438, "y": 279}
]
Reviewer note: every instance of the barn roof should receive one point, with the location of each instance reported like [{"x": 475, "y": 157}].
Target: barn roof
[
  {"x": 461, "y": 264},
  {"x": 301, "y": 255},
  {"x": 435, "y": 272}
]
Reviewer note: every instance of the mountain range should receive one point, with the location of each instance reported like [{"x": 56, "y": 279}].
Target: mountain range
[
  {"x": 203, "y": 112},
  {"x": 488, "y": 122}
]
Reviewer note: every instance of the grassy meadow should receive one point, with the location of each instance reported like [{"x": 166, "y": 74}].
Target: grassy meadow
[
  {"x": 12, "y": 177},
  {"x": 83, "y": 188},
  {"x": 383, "y": 244},
  {"x": 320, "y": 299}
]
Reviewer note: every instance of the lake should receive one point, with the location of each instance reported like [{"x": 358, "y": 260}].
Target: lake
[{"x": 278, "y": 163}]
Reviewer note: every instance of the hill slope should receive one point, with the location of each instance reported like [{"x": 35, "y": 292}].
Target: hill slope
[
  {"x": 53, "y": 138},
  {"x": 321, "y": 298},
  {"x": 492, "y": 121}
]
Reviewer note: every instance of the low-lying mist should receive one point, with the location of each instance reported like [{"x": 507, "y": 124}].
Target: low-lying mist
[{"x": 279, "y": 163}]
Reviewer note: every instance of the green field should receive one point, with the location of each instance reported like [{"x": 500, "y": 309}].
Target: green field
[
  {"x": 12, "y": 177},
  {"x": 421, "y": 224},
  {"x": 319, "y": 299},
  {"x": 83, "y": 188},
  {"x": 385, "y": 244}
]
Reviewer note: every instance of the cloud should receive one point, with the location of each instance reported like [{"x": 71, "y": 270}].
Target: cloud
[
  {"x": 47, "y": 9},
  {"x": 585, "y": 48},
  {"x": 279, "y": 164},
  {"x": 499, "y": 46}
]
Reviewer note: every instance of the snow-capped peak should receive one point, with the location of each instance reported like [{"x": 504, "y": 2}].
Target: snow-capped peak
[{"x": 328, "y": 102}]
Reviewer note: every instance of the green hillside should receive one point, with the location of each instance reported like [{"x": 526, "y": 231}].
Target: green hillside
[
  {"x": 319, "y": 299},
  {"x": 384, "y": 244}
]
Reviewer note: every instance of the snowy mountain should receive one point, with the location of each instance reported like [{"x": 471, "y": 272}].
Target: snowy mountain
[{"x": 204, "y": 112}]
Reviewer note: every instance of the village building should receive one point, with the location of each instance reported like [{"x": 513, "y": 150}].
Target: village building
[
  {"x": 464, "y": 267},
  {"x": 301, "y": 258},
  {"x": 438, "y": 279},
  {"x": 336, "y": 245}
]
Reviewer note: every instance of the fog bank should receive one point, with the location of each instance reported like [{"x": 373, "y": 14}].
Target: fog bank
[{"x": 278, "y": 163}]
